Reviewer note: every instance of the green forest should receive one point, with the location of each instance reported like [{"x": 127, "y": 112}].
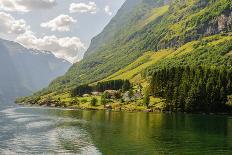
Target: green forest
[
  {"x": 123, "y": 85},
  {"x": 193, "y": 89}
]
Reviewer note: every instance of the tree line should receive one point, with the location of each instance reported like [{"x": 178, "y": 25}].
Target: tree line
[
  {"x": 81, "y": 90},
  {"x": 193, "y": 89},
  {"x": 123, "y": 85},
  {"x": 113, "y": 85}
]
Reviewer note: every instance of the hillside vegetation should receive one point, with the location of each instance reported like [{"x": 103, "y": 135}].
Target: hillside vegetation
[
  {"x": 151, "y": 35},
  {"x": 124, "y": 39},
  {"x": 132, "y": 71},
  {"x": 213, "y": 51},
  {"x": 210, "y": 55}
]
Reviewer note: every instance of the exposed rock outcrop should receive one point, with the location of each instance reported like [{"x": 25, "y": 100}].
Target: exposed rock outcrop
[{"x": 222, "y": 23}]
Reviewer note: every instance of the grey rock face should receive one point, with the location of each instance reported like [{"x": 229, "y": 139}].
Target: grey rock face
[{"x": 222, "y": 23}]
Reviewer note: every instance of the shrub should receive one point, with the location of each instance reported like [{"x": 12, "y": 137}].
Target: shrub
[
  {"x": 146, "y": 100},
  {"x": 84, "y": 101},
  {"x": 93, "y": 101},
  {"x": 104, "y": 99}
]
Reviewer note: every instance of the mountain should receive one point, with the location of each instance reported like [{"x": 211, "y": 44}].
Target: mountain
[
  {"x": 24, "y": 71},
  {"x": 116, "y": 46},
  {"x": 146, "y": 36},
  {"x": 147, "y": 25}
]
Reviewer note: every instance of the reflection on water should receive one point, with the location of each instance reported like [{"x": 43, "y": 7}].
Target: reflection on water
[{"x": 38, "y": 130}]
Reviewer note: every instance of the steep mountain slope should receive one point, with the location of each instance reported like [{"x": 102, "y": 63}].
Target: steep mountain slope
[
  {"x": 147, "y": 25},
  {"x": 209, "y": 51},
  {"x": 24, "y": 71},
  {"x": 126, "y": 22},
  {"x": 115, "y": 47},
  {"x": 199, "y": 30}
]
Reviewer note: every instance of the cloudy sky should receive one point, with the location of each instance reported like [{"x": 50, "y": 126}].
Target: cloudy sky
[{"x": 64, "y": 27}]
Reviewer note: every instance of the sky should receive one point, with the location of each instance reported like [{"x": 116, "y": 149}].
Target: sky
[{"x": 64, "y": 27}]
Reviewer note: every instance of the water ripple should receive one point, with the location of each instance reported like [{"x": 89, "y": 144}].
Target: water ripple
[{"x": 28, "y": 133}]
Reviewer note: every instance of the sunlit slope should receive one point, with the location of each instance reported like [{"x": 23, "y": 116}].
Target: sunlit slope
[
  {"x": 154, "y": 14},
  {"x": 191, "y": 53},
  {"x": 209, "y": 51},
  {"x": 147, "y": 59}
]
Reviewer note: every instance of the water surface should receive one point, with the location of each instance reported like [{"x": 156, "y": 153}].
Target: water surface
[{"x": 55, "y": 131}]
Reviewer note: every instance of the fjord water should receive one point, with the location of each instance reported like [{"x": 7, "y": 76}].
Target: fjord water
[{"x": 55, "y": 131}]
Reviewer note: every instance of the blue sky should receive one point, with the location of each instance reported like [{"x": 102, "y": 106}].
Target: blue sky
[{"x": 64, "y": 27}]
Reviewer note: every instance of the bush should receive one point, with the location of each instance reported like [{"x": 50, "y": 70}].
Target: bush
[
  {"x": 84, "y": 101},
  {"x": 75, "y": 101},
  {"x": 146, "y": 100},
  {"x": 104, "y": 99},
  {"x": 93, "y": 101}
]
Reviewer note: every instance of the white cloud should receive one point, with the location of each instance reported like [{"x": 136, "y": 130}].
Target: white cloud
[
  {"x": 69, "y": 48},
  {"x": 60, "y": 23},
  {"x": 90, "y": 7},
  {"x": 9, "y": 25},
  {"x": 25, "y": 5},
  {"x": 108, "y": 11}
]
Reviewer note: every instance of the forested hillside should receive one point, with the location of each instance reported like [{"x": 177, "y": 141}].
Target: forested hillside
[
  {"x": 147, "y": 25},
  {"x": 116, "y": 46},
  {"x": 177, "y": 33}
]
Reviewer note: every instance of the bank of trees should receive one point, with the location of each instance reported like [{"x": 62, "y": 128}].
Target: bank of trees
[
  {"x": 101, "y": 87},
  {"x": 81, "y": 90},
  {"x": 113, "y": 85},
  {"x": 193, "y": 89}
]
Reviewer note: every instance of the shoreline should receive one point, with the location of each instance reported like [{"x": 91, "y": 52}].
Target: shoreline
[{"x": 123, "y": 110}]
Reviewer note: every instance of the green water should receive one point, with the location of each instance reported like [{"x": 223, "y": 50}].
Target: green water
[
  {"x": 54, "y": 131},
  {"x": 147, "y": 133}
]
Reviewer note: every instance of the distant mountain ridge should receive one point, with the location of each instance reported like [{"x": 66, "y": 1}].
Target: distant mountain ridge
[{"x": 23, "y": 71}]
